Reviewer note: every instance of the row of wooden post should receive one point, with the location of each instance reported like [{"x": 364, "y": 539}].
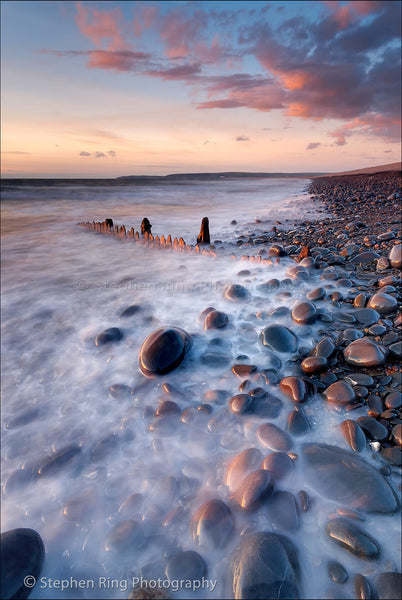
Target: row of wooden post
[{"x": 147, "y": 239}]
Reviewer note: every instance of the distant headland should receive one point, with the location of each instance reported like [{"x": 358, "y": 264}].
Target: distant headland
[{"x": 183, "y": 178}]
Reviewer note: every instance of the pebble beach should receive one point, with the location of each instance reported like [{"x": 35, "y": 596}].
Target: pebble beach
[{"x": 259, "y": 434}]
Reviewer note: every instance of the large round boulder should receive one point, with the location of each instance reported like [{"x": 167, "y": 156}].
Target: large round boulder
[
  {"x": 279, "y": 338},
  {"x": 163, "y": 350},
  {"x": 22, "y": 556},
  {"x": 212, "y": 524},
  {"x": 364, "y": 352},
  {"x": 343, "y": 477},
  {"x": 264, "y": 565},
  {"x": 395, "y": 256}
]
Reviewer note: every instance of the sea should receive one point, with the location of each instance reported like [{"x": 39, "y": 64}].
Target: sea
[{"x": 62, "y": 285}]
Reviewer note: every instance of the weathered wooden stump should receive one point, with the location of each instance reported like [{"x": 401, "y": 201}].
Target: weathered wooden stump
[
  {"x": 204, "y": 237},
  {"x": 145, "y": 226}
]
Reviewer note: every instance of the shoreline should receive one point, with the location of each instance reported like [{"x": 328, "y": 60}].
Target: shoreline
[{"x": 359, "y": 246}]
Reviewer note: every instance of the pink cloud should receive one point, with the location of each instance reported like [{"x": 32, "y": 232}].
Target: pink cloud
[
  {"x": 369, "y": 124},
  {"x": 179, "y": 30},
  {"x": 346, "y": 14},
  {"x": 145, "y": 19},
  {"x": 308, "y": 68},
  {"x": 100, "y": 25},
  {"x": 116, "y": 60},
  {"x": 186, "y": 72}
]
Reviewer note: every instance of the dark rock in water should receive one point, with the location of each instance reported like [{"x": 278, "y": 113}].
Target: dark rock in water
[
  {"x": 204, "y": 237},
  {"x": 269, "y": 286},
  {"x": 317, "y": 294},
  {"x": 383, "y": 303},
  {"x": 298, "y": 423},
  {"x": 205, "y": 313},
  {"x": 365, "y": 353},
  {"x": 241, "y": 404},
  {"x": 108, "y": 222},
  {"x": 253, "y": 490},
  {"x": 281, "y": 311},
  {"x": 389, "y": 586},
  {"x": 337, "y": 572},
  {"x": 325, "y": 348},
  {"x": 349, "y": 536},
  {"x": 130, "y": 311},
  {"x": 314, "y": 364},
  {"x": 113, "y": 334},
  {"x": 395, "y": 256},
  {"x": 167, "y": 407},
  {"x": 367, "y": 316},
  {"x": 215, "y": 359},
  {"x": 354, "y": 435},
  {"x": 279, "y": 338},
  {"x": 243, "y": 371},
  {"x": 397, "y": 434},
  {"x": 216, "y": 319},
  {"x": 393, "y": 399},
  {"x": 359, "y": 379},
  {"x": 125, "y": 537},
  {"x": 350, "y": 334},
  {"x": 266, "y": 405},
  {"x": 278, "y": 464},
  {"x": 395, "y": 350},
  {"x": 264, "y": 565},
  {"x": 298, "y": 273},
  {"x": 276, "y": 250},
  {"x": 22, "y": 556},
  {"x": 362, "y": 587},
  {"x": 241, "y": 466},
  {"x": 25, "y": 417},
  {"x": 283, "y": 511},
  {"x": 56, "y": 462},
  {"x": 270, "y": 436},
  {"x": 304, "y": 313},
  {"x": 163, "y": 350},
  {"x": 237, "y": 293},
  {"x": 340, "y": 393},
  {"x": 344, "y": 477},
  {"x": 364, "y": 257},
  {"x": 102, "y": 448},
  {"x": 186, "y": 565},
  {"x": 212, "y": 524},
  {"x": 360, "y": 301},
  {"x": 120, "y": 390},
  {"x": 343, "y": 316},
  {"x": 392, "y": 456},
  {"x": 294, "y": 388},
  {"x": 373, "y": 428}
]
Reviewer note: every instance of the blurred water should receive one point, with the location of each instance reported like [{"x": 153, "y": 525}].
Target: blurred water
[{"x": 61, "y": 286}]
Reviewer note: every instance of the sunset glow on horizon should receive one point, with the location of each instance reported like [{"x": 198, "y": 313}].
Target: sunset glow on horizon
[{"x": 105, "y": 89}]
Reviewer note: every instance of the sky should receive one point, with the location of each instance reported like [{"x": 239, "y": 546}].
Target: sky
[{"x": 104, "y": 89}]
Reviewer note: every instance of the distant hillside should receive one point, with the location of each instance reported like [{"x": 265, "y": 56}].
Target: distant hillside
[
  {"x": 369, "y": 170},
  {"x": 209, "y": 176}
]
